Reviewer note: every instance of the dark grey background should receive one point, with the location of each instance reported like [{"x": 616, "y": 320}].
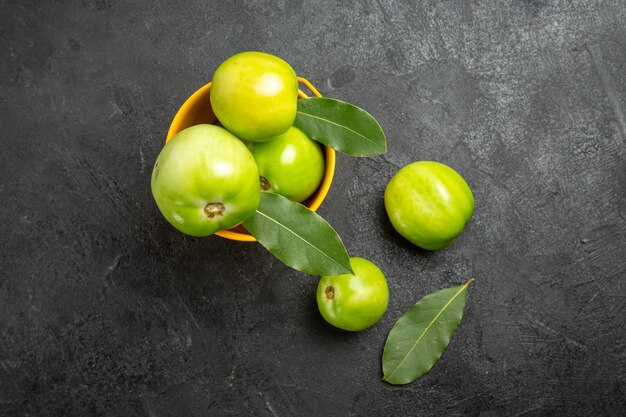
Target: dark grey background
[{"x": 106, "y": 310}]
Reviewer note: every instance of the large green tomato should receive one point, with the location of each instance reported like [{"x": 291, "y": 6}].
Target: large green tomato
[
  {"x": 205, "y": 180},
  {"x": 429, "y": 203},
  {"x": 354, "y": 302},
  {"x": 254, "y": 95},
  {"x": 291, "y": 164}
]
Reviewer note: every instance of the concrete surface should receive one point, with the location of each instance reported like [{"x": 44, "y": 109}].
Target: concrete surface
[{"x": 106, "y": 310}]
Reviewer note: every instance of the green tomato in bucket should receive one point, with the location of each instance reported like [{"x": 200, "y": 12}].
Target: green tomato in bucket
[
  {"x": 255, "y": 95},
  {"x": 290, "y": 164},
  {"x": 205, "y": 180}
]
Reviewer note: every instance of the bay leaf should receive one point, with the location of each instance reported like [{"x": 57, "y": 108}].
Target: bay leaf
[
  {"x": 340, "y": 125},
  {"x": 417, "y": 340},
  {"x": 298, "y": 237}
]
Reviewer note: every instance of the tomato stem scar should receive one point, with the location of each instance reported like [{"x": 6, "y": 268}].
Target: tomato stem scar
[
  {"x": 265, "y": 184},
  {"x": 214, "y": 209},
  {"x": 329, "y": 292}
]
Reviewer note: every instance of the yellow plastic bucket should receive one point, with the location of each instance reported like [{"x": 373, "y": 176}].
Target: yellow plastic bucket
[{"x": 197, "y": 110}]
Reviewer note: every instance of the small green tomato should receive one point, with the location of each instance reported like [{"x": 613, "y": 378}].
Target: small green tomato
[
  {"x": 354, "y": 302},
  {"x": 290, "y": 164},
  {"x": 429, "y": 203},
  {"x": 254, "y": 95},
  {"x": 205, "y": 180}
]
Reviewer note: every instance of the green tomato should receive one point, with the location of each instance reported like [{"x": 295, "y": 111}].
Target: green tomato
[
  {"x": 291, "y": 164},
  {"x": 254, "y": 95},
  {"x": 429, "y": 203},
  {"x": 354, "y": 302},
  {"x": 205, "y": 180}
]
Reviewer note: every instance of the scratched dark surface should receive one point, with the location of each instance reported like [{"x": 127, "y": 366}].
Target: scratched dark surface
[{"x": 106, "y": 310}]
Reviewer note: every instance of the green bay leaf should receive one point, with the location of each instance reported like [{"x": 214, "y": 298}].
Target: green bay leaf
[
  {"x": 340, "y": 125},
  {"x": 298, "y": 237},
  {"x": 419, "y": 337}
]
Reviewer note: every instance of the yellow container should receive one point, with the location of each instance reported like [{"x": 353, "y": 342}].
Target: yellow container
[{"x": 197, "y": 109}]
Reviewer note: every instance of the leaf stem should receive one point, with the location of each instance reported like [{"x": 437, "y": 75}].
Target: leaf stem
[{"x": 468, "y": 282}]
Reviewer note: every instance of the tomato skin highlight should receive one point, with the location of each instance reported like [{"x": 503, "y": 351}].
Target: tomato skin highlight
[
  {"x": 429, "y": 204},
  {"x": 205, "y": 180}
]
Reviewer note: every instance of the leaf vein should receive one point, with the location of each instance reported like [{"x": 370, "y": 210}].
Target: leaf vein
[{"x": 342, "y": 127}]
